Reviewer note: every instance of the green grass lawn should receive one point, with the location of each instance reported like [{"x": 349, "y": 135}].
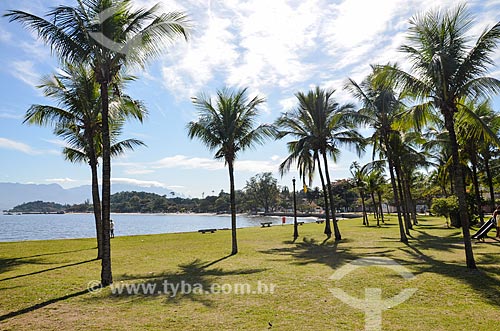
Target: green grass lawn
[{"x": 43, "y": 284}]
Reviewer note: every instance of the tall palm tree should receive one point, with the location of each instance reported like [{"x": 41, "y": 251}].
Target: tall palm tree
[
  {"x": 374, "y": 181},
  {"x": 319, "y": 124},
  {"x": 77, "y": 119},
  {"x": 304, "y": 152},
  {"x": 227, "y": 125},
  {"x": 109, "y": 35},
  {"x": 381, "y": 109},
  {"x": 445, "y": 68},
  {"x": 359, "y": 179}
]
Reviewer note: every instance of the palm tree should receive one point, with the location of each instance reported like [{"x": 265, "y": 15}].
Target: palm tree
[
  {"x": 77, "y": 119},
  {"x": 359, "y": 179},
  {"x": 302, "y": 152},
  {"x": 477, "y": 127},
  {"x": 374, "y": 182},
  {"x": 446, "y": 69},
  {"x": 320, "y": 126},
  {"x": 381, "y": 109},
  {"x": 227, "y": 126},
  {"x": 380, "y": 184},
  {"x": 109, "y": 35}
]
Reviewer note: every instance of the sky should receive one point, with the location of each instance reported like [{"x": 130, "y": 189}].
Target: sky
[{"x": 274, "y": 47}]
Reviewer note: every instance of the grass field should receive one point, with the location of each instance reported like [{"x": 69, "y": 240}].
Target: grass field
[{"x": 43, "y": 284}]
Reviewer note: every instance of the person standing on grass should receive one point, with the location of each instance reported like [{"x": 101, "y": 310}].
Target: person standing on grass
[{"x": 111, "y": 229}]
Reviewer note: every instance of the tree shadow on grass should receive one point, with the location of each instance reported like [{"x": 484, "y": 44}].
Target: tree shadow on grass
[
  {"x": 330, "y": 253},
  {"x": 14, "y": 263},
  {"x": 8, "y": 264},
  {"x": 196, "y": 281},
  {"x": 480, "y": 280},
  {"x": 41, "y": 305}
]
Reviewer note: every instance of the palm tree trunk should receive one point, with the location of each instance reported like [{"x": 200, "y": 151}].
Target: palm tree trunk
[
  {"x": 403, "y": 237},
  {"x": 451, "y": 175},
  {"x": 409, "y": 200},
  {"x": 363, "y": 206},
  {"x": 328, "y": 229},
  {"x": 404, "y": 204},
  {"x": 106, "y": 275},
  {"x": 475, "y": 181},
  {"x": 232, "y": 199},
  {"x": 380, "y": 206},
  {"x": 459, "y": 187},
  {"x": 490, "y": 180},
  {"x": 96, "y": 203},
  {"x": 336, "y": 229},
  {"x": 375, "y": 209},
  {"x": 413, "y": 206}
]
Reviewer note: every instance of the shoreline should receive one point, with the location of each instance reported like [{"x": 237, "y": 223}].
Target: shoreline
[{"x": 36, "y": 227}]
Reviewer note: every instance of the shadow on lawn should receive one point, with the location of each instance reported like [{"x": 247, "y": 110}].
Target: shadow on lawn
[
  {"x": 196, "y": 281},
  {"x": 331, "y": 253},
  {"x": 7, "y": 264},
  {"x": 42, "y": 304},
  {"x": 14, "y": 263},
  {"x": 336, "y": 254},
  {"x": 480, "y": 280}
]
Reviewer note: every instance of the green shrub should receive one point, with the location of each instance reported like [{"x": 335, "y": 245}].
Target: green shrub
[{"x": 447, "y": 207}]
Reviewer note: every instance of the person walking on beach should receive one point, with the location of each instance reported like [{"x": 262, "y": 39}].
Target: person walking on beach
[{"x": 111, "y": 229}]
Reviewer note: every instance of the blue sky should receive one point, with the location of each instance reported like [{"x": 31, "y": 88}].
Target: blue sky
[{"x": 275, "y": 48}]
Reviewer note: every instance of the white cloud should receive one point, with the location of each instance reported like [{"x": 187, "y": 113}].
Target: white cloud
[
  {"x": 142, "y": 183},
  {"x": 210, "y": 50},
  {"x": 57, "y": 142},
  {"x": 182, "y": 161},
  {"x": 176, "y": 187},
  {"x": 62, "y": 180},
  {"x": 25, "y": 71},
  {"x": 24, "y": 148},
  {"x": 185, "y": 162},
  {"x": 138, "y": 171},
  {"x": 282, "y": 46},
  {"x": 357, "y": 22},
  {"x": 11, "y": 116},
  {"x": 36, "y": 49},
  {"x": 274, "y": 36},
  {"x": 18, "y": 146},
  {"x": 288, "y": 103},
  {"x": 257, "y": 44},
  {"x": 254, "y": 166},
  {"x": 5, "y": 36}
]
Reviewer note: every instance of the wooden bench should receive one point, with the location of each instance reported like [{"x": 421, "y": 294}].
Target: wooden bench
[
  {"x": 203, "y": 231},
  {"x": 264, "y": 224},
  {"x": 320, "y": 221},
  {"x": 300, "y": 223}
]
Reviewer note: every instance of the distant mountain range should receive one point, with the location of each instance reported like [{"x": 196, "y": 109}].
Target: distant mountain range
[{"x": 13, "y": 194}]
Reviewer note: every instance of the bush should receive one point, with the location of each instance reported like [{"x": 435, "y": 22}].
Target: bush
[{"x": 447, "y": 207}]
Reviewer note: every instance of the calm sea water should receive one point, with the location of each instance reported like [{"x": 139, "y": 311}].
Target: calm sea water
[{"x": 43, "y": 227}]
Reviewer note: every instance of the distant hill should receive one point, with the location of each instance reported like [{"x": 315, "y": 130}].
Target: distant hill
[
  {"x": 39, "y": 207},
  {"x": 13, "y": 194}
]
